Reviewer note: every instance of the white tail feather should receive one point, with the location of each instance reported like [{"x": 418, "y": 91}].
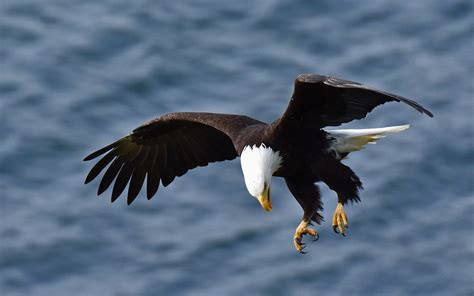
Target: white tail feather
[{"x": 349, "y": 140}]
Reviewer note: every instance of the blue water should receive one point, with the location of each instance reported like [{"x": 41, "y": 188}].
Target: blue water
[{"x": 76, "y": 75}]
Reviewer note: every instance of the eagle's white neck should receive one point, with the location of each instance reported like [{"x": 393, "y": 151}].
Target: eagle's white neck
[{"x": 258, "y": 165}]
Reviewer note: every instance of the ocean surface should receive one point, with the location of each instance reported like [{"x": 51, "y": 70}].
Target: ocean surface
[{"x": 77, "y": 75}]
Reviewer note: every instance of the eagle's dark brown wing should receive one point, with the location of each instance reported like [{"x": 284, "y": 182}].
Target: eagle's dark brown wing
[
  {"x": 165, "y": 148},
  {"x": 320, "y": 101}
]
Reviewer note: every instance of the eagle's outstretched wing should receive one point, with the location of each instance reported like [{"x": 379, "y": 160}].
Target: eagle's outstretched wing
[
  {"x": 165, "y": 148},
  {"x": 320, "y": 101}
]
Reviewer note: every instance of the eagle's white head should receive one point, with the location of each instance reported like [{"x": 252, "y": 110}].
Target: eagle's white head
[{"x": 258, "y": 165}]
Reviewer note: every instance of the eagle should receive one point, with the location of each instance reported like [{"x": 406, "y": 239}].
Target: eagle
[{"x": 295, "y": 147}]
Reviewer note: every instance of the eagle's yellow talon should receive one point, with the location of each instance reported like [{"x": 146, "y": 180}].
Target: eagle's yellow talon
[
  {"x": 301, "y": 230},
  {"x": 339, "y": 220}
]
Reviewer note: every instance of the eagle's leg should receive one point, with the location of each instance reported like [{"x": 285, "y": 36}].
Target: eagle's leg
[
  {"x": 301, "y": 230},
  {"x": 341, "y": 179},
  {"x": 308, "y": 196},
  {"x": 339, "y": 219}
]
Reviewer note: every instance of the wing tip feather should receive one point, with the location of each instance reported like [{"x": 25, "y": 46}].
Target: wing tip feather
[
  {"x": 99, "y": 152},
  {"x": 103, "y": 150},
  {"x": 428, "y": 113}
]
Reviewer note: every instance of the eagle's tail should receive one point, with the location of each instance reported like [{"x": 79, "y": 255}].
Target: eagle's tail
[{"x": 349, "y": 140}]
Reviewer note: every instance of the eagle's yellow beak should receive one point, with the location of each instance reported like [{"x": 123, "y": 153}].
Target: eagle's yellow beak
[{"x": 264, "y": 200}]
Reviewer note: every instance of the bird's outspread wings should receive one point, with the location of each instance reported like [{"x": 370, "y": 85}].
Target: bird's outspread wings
[
  {"x": 320, "y": 101},
  {"x": 165, "y": 148}
]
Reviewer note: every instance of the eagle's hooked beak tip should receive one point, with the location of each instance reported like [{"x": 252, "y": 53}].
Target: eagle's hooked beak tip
[{"x": 265, "y": 201}]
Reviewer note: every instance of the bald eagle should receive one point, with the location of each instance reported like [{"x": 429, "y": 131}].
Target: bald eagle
[{"x": 294, "y": 147}]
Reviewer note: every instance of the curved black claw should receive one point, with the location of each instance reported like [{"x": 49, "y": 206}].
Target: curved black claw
[
  {"x": 316, "y": 237},
  {"x": 336, "y": 230}
]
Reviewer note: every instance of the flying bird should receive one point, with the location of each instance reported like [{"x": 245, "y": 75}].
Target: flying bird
[{"x": 294, "y": 147}]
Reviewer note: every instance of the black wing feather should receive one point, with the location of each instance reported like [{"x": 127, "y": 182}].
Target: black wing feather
[
  {"x": 153, "y": 173},
  {"x": 168, "y": 173},
  {"x": 110, "y": 175},
  {"x": 100, "y": 165},
  {"x": 138, "y": 176}
]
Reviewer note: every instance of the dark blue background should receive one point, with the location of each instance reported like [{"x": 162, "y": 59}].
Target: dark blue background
[{"x": 76, "y": 75}]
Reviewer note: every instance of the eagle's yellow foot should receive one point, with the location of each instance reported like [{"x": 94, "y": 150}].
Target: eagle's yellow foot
[
  {"x": 301, "y": 230},
  {"x": 339, "y": 220}
]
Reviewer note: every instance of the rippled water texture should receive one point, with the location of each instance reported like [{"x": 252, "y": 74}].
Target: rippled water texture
[{"x": 76, "y": 75}]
